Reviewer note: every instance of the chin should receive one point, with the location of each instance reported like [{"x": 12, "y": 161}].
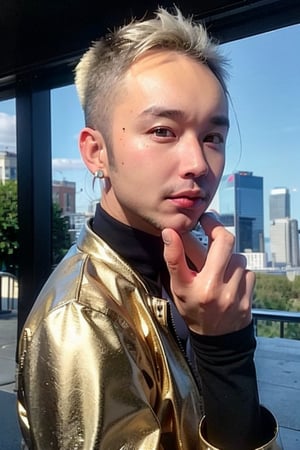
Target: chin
[
  {"x": 184, "y": 226},
  {"x": 180, "y": 223}
]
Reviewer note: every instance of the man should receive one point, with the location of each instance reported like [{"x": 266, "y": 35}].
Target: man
[{"x": 142, "y": 338}]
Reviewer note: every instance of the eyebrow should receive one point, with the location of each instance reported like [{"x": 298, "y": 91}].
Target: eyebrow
[
  {"x": 221, "y": 121},
  {"x": 157, "y": 111}
]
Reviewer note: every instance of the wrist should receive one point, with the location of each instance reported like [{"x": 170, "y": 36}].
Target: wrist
[{"x": 270, "y": 431}]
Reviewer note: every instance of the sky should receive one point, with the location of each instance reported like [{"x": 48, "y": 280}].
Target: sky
[{"x": 264, "y": 136}]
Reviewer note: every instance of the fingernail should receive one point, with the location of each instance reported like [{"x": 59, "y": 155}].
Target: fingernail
[
  {"x": 213, "y": 215},
  {"x": 166, "y": 237}
]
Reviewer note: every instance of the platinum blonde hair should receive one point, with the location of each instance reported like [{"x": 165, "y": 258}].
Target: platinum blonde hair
[{"x": 98, "y": 75}]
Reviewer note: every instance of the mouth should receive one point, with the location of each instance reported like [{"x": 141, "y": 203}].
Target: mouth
[{"x": 189, "y": 199}]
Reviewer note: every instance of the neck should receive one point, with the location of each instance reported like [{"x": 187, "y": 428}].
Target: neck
[{"x": 141, "y": 250}]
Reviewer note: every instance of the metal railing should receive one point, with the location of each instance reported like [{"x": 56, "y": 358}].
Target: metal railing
[
  {"x": 274, "y": 315},
  {"x": 9, "y": 292}
]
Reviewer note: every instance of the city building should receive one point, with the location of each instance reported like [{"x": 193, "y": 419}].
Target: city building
[
  {"x": 280, "y": 203},
  {"x": 256, "y": 260},
  {"x": 64, "y": 193},
  {"x": 284, "y": 242},
  {"x": 284, "y": 233},
  {"x": 242, "y": 211},
  {"x": 8, "y": 166}
]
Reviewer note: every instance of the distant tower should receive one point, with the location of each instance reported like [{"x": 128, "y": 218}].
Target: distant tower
[
  {"x": 284, "y": 237},
  {"x": 280, "y": 203},
  {"x": 284, "y": 242},
  {"x": 242, "y": 211}
]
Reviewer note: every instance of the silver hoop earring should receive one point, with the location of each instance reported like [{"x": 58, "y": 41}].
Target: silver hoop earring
[{"x": 98, "y": 174}]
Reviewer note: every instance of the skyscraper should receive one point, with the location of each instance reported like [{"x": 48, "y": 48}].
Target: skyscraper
[
  {"x": 284, "y": 242},
  {"x": 284, "y": 236},
  {"x": 280, "y": 204},
  {"x": 241, "y": 209}
]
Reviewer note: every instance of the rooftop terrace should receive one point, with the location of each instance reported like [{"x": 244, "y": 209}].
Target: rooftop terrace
[{"x": 278, "y": 369}]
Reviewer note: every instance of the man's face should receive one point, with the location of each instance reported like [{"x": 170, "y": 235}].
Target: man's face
[{"x": 169, "y": 127}]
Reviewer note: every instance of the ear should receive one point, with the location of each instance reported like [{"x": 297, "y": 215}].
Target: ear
[{"x": 93, "y": 150}]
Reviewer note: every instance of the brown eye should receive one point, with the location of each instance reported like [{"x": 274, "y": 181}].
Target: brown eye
[
  {"x": 163, "y": 132},
  {"x": 215, "y": 138}
]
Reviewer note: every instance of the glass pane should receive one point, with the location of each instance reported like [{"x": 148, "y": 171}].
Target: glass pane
[
  {"x": 263, "y": 147},
  {"x": 264, "y": 114},
  {"x": 8, "y": 187},
  {"x": 8, "y": 256},
  {"x": 72, "y": 193}
]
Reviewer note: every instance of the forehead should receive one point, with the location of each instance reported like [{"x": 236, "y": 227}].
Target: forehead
[{"x": 172, "y": 79}]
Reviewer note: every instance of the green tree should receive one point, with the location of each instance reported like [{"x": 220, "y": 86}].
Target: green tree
[
  {"x": 9, "y": 229},
  {"x": 273, "y": 292},
  {"x": 61, "y": 240},
  {"x": 9, "y": 244},
  {"x": 277, "y": 292}
]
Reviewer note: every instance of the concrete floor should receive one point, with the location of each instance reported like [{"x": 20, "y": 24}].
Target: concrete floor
[
  {"x": 278, "y": 372},
  {"x": 10, "y": 437}
]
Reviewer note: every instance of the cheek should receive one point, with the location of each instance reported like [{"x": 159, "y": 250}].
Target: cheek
[
  {"x": 137, "y": 156},
  {"x": 216, "y": 163},
  {"x": 216, "y": 170}
]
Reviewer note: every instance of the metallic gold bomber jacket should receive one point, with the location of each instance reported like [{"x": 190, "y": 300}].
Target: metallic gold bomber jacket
[{"x": 98, "y": 367}]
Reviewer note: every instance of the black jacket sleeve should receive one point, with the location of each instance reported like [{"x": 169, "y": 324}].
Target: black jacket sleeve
[{"x": 229, "y": 387}]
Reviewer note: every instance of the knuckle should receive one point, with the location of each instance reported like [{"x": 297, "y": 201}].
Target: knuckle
[
  {"x": 209, "y": 293},
  {"x": 229, "y": 298},
  {"x": 228, "y": 238},
  {"x": 245, "y": 307},
  {"x": 172, "y": 265}
]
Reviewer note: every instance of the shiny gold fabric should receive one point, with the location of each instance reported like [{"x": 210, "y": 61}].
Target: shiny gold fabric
[{"x": 98, "y": 368}]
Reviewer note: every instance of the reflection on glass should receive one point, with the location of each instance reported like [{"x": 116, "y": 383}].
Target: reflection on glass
[
  {"x": 264, "y": 112},
  {"x": 8, "y": 188},
  {"x": 72, "y": 193}
]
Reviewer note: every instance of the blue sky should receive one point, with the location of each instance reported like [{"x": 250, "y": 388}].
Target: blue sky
[{"x": 265, "y": 92}]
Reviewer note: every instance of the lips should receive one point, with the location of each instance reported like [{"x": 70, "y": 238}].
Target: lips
[{"x": 188, "y": 199}]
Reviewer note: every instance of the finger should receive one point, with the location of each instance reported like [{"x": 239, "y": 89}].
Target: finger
[
  {"x": 194, "y": 250},
  {"x": 174, "y": 256},
  {"x": 221, "y": 245},
  {"x": 238, "y": 275},
  {"x": 211, "y": 225},
  {"x": 237, "y": 261},
  {"x": 233, "y": 285},
  {"x": 246, "y": 295},
  {"x": 248, "y": 288}
]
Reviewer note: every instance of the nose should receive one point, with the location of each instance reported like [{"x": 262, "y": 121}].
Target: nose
[{"x": 193, "y": 162}]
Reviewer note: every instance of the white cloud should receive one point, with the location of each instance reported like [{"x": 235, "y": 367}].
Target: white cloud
[
  {"x": 7, "y": 131},
  {"x": 67, "y": 164}
]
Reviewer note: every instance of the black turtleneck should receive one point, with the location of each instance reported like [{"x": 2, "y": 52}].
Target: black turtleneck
[
  {"x": 225, "y": 363},
  {"x": 142, "y": 251}
]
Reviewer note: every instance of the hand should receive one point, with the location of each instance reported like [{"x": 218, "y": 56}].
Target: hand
[{"x": 215, "y": 298}]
